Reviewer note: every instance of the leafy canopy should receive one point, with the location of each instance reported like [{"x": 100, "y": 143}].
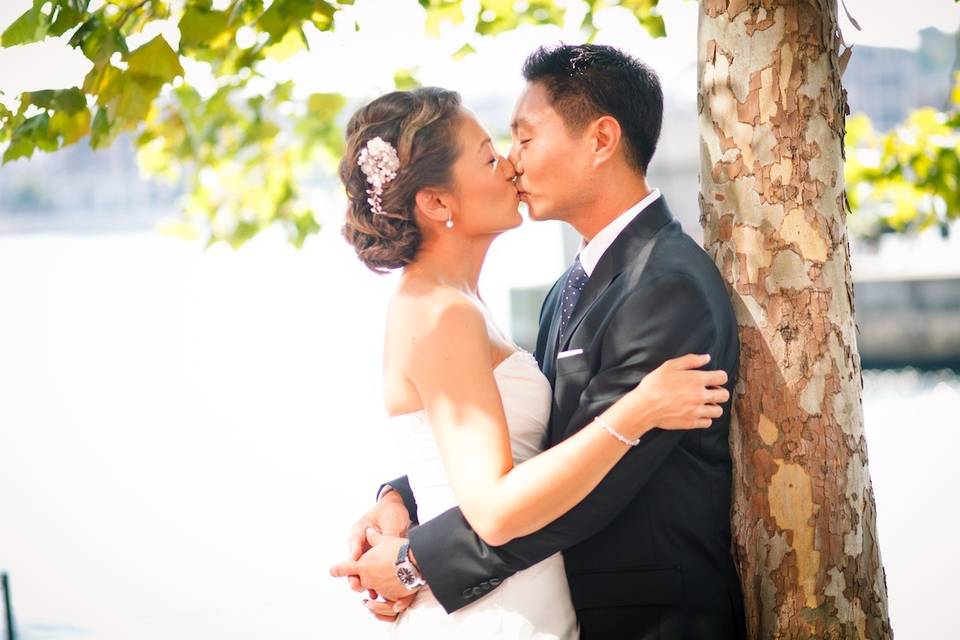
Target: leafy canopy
[{"x": 245, "y": 148}]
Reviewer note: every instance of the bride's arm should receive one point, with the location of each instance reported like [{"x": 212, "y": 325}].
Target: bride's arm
[{"x": 453, "y": 374}]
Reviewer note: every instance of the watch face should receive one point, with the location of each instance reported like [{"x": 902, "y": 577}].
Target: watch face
[{"x": 406, "y": 576}]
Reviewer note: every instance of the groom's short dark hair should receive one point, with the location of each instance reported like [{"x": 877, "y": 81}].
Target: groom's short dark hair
[{"x": 587, "y": 81}]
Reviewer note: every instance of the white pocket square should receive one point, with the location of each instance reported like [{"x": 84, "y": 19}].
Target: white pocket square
[{"x": 567, "y": 354}]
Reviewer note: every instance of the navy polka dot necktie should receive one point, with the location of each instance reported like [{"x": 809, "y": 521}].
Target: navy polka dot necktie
[{"x": 571, "y": 293}]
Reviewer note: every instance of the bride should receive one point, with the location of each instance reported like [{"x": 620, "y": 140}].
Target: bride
[{"x": 428, "y": 194}]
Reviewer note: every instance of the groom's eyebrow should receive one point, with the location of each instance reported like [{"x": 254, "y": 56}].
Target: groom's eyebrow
[
  {"x": 485, "y": 142},
  {"x": 519, "y": 122}
]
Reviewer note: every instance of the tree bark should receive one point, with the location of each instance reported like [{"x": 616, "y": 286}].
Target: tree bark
[{"x": 773, "y": 209}]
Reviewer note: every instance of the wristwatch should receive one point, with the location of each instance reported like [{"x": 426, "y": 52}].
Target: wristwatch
[{"x": 408, "y": 575}]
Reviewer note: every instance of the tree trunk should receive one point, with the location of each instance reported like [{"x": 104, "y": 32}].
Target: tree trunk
[{"x": 773, "y": 209}]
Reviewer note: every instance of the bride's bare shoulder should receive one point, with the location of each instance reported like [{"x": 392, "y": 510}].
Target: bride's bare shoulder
[{"x": 421, "y": 308}]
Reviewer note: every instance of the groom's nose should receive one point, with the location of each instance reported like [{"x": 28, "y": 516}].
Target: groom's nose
[{"x": 514, "y": 158}]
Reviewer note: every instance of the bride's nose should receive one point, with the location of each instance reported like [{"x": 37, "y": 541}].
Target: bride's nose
[{"x": 506, "y": 168}]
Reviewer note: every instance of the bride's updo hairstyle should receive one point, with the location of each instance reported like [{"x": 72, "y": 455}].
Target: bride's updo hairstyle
[{"x": 422, "y": 125}]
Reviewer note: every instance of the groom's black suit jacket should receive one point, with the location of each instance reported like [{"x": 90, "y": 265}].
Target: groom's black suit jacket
[{"x": 648, "y": 552}]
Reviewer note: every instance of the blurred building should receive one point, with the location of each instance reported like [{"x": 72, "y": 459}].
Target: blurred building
[
  {"x": 886, "y": 83},
  {"x": 79, "y": 190}
]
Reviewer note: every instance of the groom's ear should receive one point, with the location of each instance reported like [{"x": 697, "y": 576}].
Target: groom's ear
[
  {"x": 435, "y": 203},
  {"x": 605, "y": 135}
]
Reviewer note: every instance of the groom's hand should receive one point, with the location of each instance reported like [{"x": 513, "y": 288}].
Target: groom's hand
[
  {"x": 376, "y": 569},
  {"x": 389, "y": 516}
]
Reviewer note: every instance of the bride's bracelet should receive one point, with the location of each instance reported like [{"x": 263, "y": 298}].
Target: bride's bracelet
[{"x": 603, "y": 423}]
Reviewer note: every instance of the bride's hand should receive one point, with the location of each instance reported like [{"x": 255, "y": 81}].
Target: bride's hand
[{"x": 675, "y": 395}]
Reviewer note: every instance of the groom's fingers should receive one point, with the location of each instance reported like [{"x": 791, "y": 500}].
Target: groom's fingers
[
  {"x": 716, "y": 378},
  {"x": 689, "y": 361},
  {"x": 717, "y": 396},
  {"x": 355, "y": 542},
  {"x": 711, "y": 411},
  {"x": 373, "y": 536}
]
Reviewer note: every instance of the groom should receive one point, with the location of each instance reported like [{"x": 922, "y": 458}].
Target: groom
[{"x": 648, "y": 552}]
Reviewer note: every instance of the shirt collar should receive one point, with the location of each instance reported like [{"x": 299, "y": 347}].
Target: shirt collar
[{"x": 591, "y": 252}]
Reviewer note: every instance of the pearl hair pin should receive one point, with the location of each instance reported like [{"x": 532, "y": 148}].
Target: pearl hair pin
[{"x": 379, "y": 162}]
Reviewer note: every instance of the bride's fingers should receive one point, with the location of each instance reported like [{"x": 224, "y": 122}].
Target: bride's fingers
[
  {"x": 403, "y": 603},
  {"x": 378, "y": 609}
]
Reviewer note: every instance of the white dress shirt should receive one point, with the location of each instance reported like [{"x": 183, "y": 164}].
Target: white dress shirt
[{"x": 591, "y": 252}]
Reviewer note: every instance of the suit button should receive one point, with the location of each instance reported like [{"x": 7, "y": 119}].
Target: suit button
[
  {"x": 477, "y": 591},
  {"x": 468, "y": 593},
  {"x": 494, "y": 581}
]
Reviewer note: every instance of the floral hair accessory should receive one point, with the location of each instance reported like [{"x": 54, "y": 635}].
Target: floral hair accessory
[{"x": 379, "y": 161}]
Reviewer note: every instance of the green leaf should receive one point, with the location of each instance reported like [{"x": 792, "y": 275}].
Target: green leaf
[
  {"x": 464, "y": 51},
  {"x": 654, "y": 25},
  {"x": 323, "y": 15},
  {"x": 404, "y": 80},
  {"x": 325, "y": 105},
  {"x": 100, "y": 135},
  {"x": 440, "y": 11},
  {"x": 29, "y": 27},
  {"x": 69, "y": 13},
  {"x": 70, "y": 101},
  {"x": 98, "y": 42},
  {"x": 70, "y": 126},
  {"x": 156, "y": 60},
  {"x": 200, "y": 28},
  {"x": 32, "y": 133},
  {"x": 136, "y": 97},
  {"x": 284, "y": 15},
  {"x": 42, "y": 99}
]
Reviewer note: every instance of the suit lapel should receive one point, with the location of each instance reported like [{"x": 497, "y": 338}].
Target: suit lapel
[
  {"x": 615, "y": 259},
  {"x": 552, "y": 324}
]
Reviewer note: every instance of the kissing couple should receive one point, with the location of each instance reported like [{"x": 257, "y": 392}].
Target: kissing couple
[{"x": 582, "y": 491}]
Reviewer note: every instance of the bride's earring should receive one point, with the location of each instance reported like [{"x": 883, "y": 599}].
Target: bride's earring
[{"x": 449, "y": 222}]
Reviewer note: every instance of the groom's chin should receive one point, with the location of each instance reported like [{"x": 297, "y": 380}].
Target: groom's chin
[{"x": 534, "y": 215}]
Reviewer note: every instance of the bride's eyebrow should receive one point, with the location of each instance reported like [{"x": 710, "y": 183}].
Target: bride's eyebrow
[{"x": 485, "y": 142}]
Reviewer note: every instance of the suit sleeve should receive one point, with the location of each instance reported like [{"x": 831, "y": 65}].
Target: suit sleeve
[
  {"x": 663, "y": 319},
  {"x": 402, "y": 486}
]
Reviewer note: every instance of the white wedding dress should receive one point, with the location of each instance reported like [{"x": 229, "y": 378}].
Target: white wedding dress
[{"x": 533, "y": 604}]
